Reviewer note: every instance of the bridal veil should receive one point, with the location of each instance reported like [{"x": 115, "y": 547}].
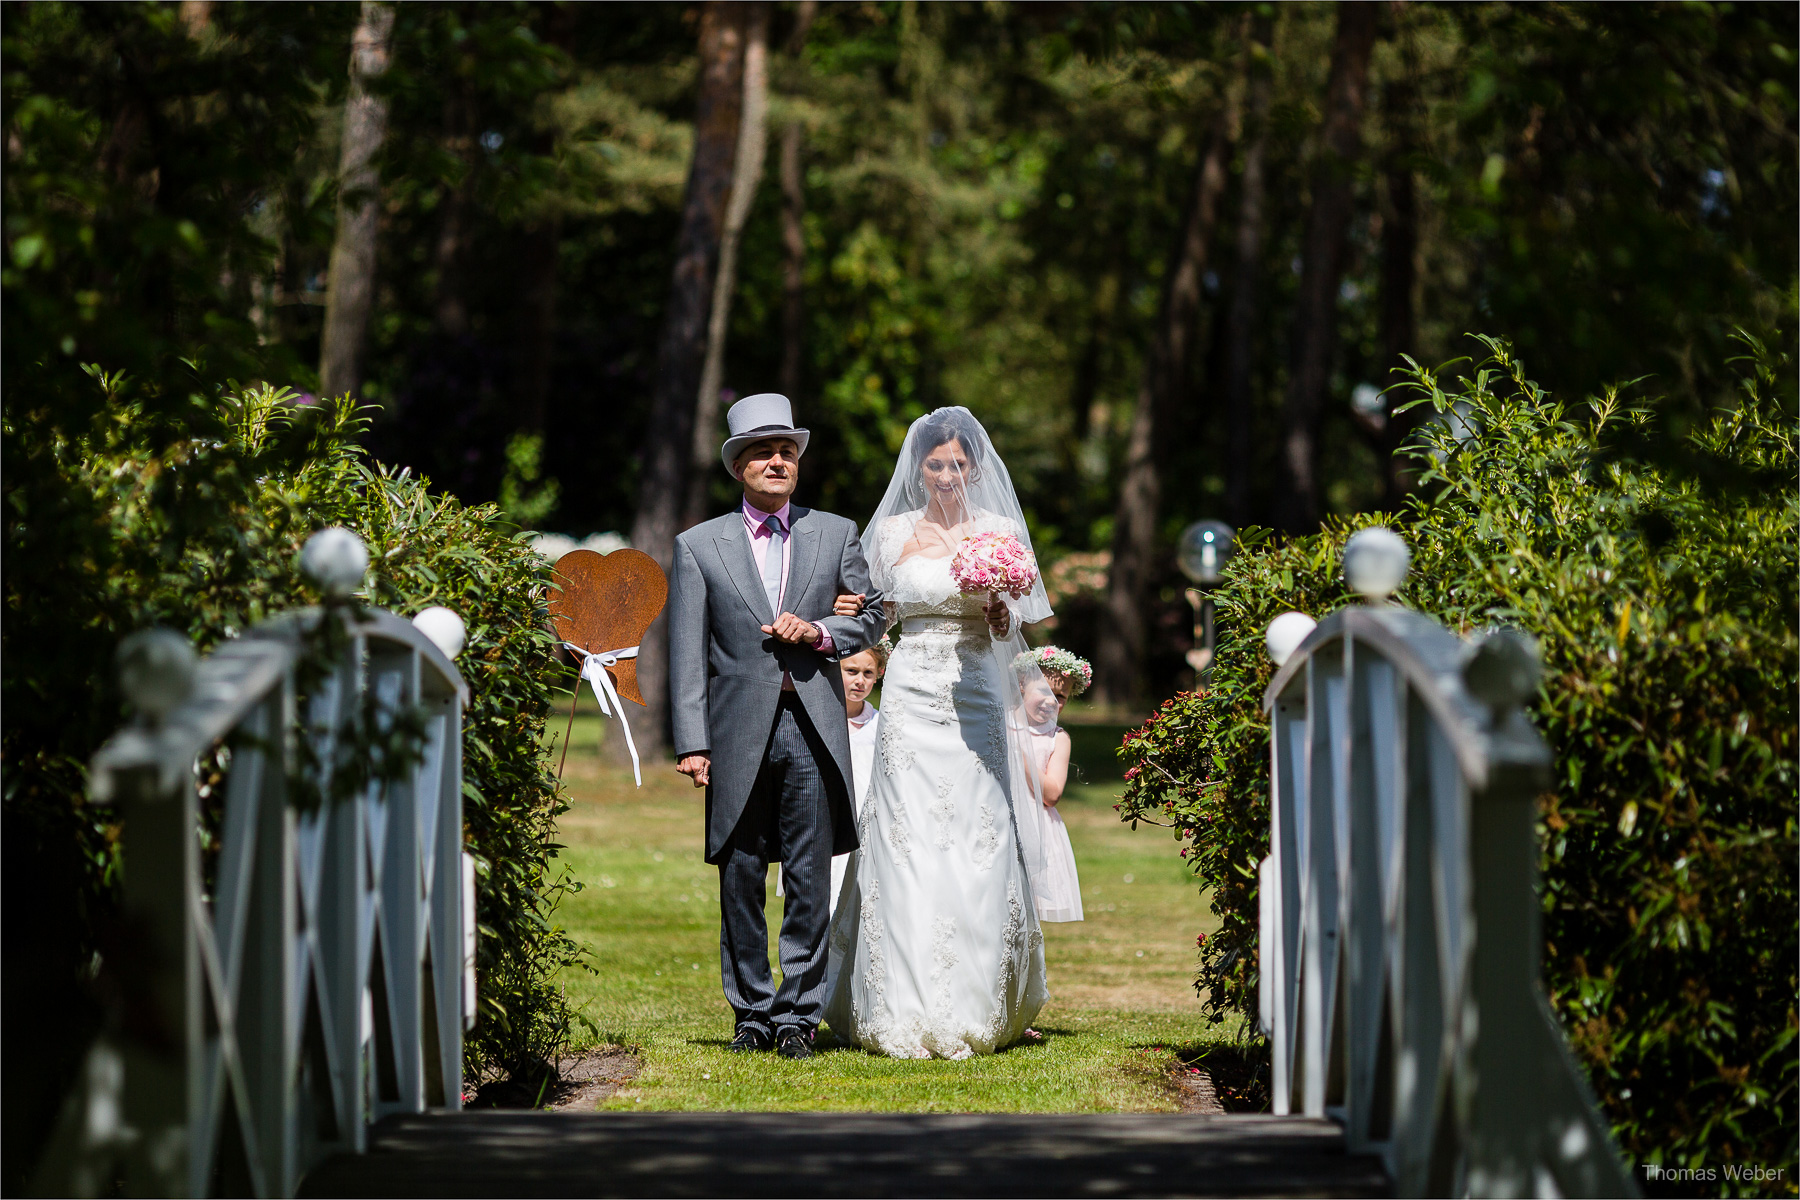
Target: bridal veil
[{"x": 984, "y": 492}]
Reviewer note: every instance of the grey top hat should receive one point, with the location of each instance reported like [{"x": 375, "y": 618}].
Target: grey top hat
[{"x": 764, "y": 415}]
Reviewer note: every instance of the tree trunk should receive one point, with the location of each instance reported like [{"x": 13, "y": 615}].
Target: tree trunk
[
  {"x": 1240, "y": 335},
  {"x": 1398, "y": 322},
  {"x": 1072, "y": 511},
  {"x": 350, "y": 290},
  {"x": 535, "y": 375},
  {"x": 1315, "y": 307},
  {"x": 449, "y": 311},
  {"x": 681, "y": 348},
  {"x": 1124, "y": 634},
  {"x": 793, "y": 227},
  {"x": 196, "y": 16},
  {"x": 746, "y": 176},
  {"x": 538, "y": 314}
]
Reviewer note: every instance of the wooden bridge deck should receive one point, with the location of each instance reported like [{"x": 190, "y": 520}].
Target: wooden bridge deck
[{"x": 848, "y": 1154}]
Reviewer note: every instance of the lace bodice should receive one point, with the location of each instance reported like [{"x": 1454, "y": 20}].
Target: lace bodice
[{"x": 921, "y": 586}]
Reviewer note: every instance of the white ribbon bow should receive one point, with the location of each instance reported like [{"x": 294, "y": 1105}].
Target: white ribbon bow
[{"x": 593, "y": 669}]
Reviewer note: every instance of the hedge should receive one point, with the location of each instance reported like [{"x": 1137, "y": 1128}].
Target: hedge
[
  {"x": 1658, "y": 573},
  {"x": 126, "y": 522}
]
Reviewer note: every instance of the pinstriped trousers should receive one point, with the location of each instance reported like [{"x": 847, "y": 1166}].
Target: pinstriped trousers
[{"x": 787, "y": 820}]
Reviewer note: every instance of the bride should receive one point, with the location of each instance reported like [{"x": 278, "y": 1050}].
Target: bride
[{"x": 936, "y": 950}]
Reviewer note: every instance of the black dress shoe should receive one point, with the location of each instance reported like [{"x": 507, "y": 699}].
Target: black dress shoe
[
  {"x": 750, "y": 1040},
  {"x": 794, "y": 1042}
]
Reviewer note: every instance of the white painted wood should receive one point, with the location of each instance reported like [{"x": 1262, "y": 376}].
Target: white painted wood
[
  {"x": 1399, "y": 950},
  {"x": 316, "y": 917}
]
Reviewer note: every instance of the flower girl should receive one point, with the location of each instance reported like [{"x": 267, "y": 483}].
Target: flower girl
[
  {"x": 1050, "y": 676},
  {"x": 861, "y": 673}
]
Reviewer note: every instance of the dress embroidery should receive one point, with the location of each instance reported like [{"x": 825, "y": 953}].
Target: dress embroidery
[
  {"x": 943, "y": 812},
  {"x": 1012, "y": 954},
  {"x": 938, "y": 666},
  {"x": 987, "y": 842},
  {"x": 890, "y": 539},
  {"x": 894, "y": 829},
  {"x": 874, "y": 965},
  {"x": 993, "y": 754},
  {"x": 895, "y": 756},
  {"x": 943, "y": 1036}
]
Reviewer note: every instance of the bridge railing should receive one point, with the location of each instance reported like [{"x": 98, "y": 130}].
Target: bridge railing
[
  {"x": 1400, "y": 954},
  {"x": 297, "y": 959}
]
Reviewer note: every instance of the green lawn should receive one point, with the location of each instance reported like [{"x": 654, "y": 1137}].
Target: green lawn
[{"x": 1121, "y": 999}]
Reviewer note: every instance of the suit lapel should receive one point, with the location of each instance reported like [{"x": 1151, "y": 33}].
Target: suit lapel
[
  {"x": 740, "y": 564},
  {"x": 804, "y": 558}
]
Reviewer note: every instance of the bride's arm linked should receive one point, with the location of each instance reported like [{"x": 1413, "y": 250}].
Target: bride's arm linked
[
  {"x": 855, "y": 623},
  {"x": 852, "y": 606}
]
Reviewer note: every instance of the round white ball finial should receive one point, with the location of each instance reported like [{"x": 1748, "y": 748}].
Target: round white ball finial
[
  {"x": 156, "y": 671},
  {"x": 1286, "y": 632},
  {"x": 444, "y": 628},
  {"x": 1375, "y": 562},
  {"x": 336, "y": 560}
]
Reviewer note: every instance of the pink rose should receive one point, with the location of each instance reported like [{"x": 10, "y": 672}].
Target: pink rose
[{"x": 993, "y": 562}]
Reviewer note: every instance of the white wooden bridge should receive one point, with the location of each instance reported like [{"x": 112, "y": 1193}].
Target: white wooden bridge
[{"x": 296, "y": 1015}]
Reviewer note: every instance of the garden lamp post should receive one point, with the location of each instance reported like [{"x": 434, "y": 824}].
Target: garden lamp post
[{"x": 1204, "y": 547}]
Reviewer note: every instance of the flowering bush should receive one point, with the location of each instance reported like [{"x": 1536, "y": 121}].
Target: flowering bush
[
  {"x": 1054, "y": 660},
  {"x": 1664, "y": 607},
  {"x": 994, "y": 562},
  {"x": 1078, "y": 574}
]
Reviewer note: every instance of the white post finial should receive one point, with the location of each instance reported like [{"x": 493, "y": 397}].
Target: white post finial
[
  {"x": 444, "y": 628},
  {"x": 336, "y": 560},
  {"x": 156, "y": 671},
  {"x": 1285, "y": 634},
  {"x": 1501, "y": 669},
  {"x": 1375, "y": 562}
]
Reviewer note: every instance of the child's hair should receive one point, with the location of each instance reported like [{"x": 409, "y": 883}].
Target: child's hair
[
  {"x": 1054, "y": 660},
  {"x": 881, "y": 650}
]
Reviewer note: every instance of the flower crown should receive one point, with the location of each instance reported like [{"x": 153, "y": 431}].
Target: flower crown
[
  {"x": 1054, "y": 660},
  {"x": 881, "y": 650}
]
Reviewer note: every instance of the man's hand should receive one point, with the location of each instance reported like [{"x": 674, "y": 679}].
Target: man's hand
[
  {"x": 795, "y": 632},
  {"x": 697, "y": 767},
  {"x": 999, "y": 617},
  {"x": 848, "y": 606}
]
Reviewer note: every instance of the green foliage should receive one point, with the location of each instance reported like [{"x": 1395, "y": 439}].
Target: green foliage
[
  {"x": 430, "y": 549},
  {"x": 139, "y": 150},
  {"x": 138, "y": 156},
  {"x": 991, "y": 196},
  {"x": 1200, "y": 764},
  {"x": 525, "y": 498},
  {"x": 1640, "y": 141},
  {"x": 1664, "y": 608},
  {"x": 205, "y": 537}
]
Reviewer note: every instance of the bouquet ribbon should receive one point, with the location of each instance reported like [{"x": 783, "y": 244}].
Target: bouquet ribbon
[{"x": 593, "y": 669}]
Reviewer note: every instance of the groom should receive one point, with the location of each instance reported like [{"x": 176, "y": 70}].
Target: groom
[{"x": 759, "y": 715}]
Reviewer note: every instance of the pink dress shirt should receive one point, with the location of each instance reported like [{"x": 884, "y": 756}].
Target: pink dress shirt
[{"x": 760, "y": 537}]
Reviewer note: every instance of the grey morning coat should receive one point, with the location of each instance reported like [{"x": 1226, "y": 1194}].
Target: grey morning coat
[{"x": 725, "y": 672}]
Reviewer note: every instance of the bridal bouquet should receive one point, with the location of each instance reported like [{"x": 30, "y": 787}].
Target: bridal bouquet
[{"x": 994, "y": 563}]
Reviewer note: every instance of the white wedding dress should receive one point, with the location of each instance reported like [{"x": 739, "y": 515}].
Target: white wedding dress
[{"x": 935, "y": 950}]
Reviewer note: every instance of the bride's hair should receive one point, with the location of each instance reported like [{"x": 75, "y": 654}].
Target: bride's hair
[{"x": 950, "y": 425}]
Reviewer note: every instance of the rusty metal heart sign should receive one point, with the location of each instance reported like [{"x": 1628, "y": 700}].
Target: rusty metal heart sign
[{"x": 604, "y": 603}]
